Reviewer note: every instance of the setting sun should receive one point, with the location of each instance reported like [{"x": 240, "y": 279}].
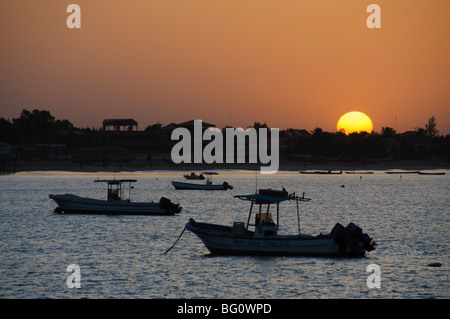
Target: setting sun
[{"x": 354, "y": 122}]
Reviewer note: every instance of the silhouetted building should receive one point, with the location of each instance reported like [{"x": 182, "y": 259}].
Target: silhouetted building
[{"x": 127, "y": 124}]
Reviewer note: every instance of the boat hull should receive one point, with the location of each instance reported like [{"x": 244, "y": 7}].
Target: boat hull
[
  {"x": 72, "y": 204},
  {"x": 221, "y": 240},
  {"x": 192, "y": 186}
]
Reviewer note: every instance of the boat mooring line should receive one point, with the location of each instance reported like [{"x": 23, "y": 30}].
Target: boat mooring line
[{"x": 175, "y": 241}]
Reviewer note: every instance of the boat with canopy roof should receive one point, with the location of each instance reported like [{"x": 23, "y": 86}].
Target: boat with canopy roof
[
  {"x": 118, "y": 202},
  {"x": 259, "y": 236}
]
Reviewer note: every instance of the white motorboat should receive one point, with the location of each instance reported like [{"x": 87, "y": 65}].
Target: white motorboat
[
  {"x": 263, "y": 237},
  {"x": 116, "y": 202},
  {"x": 207, "y": 186}
]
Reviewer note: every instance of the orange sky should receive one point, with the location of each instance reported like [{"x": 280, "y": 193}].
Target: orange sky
[{"x": 290, "y": 63}]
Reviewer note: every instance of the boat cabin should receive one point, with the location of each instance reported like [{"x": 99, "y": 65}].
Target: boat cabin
[
  {"x": 116, "y": 189},
  {"x": 209, "y": 176},
  {"x": 264, "y": 225}
]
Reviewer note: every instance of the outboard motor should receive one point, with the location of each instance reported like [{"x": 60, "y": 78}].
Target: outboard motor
[
  {"x": 343, "y": 237},
  {"x": 357, "y": 233},
  {"x": 167, "y": 204},
  {"x": 227, "y": 186},
  {"x": 353, "y": 237}
]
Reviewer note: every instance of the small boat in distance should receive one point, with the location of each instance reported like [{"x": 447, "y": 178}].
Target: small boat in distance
[
  {"x": 116, "y": 203},
  {"x": 358, "y": 172},
  {"x": 207, "y": 186},
  {"x": 402, "y": 172},
  {"x": 329, "y": 172},
  {"x": 260, "y": 235},
  {"x": 194, "y": 176},
  {"x": 431, "y": 173}
]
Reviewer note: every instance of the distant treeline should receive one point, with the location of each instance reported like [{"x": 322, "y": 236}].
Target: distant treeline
[
  {"x": 424, "y": 143},
  {"x": 386, "y": 145},
  {"x": 34, "y": 127}
]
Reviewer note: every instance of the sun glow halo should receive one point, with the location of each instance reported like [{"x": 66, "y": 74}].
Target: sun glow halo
[{"x": 354, "y": 122}]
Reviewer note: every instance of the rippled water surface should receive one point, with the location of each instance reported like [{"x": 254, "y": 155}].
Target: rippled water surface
[{"x": 123, "y": 256}]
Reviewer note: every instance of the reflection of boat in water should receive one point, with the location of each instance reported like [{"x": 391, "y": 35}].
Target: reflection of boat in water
[
  {"x": 260, "y": 237},
  {"x": 431, "y": 173},
  {"x": 116, "y": 202},
  {"x": 358, "y": 172},
  {"x": 207, "y": 186},
  {"x": 194, "y": 176},
  {"x": 329, "y": 172}
]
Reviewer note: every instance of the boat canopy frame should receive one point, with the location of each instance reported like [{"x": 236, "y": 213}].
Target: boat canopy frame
[
  {"x": 209, "y": 176},
  {"x": 261, "y": 199},
  {"x": 115, "y": 191}
]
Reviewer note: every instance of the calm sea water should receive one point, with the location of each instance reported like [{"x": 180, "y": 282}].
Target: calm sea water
[{"x": 123, "y": 256}]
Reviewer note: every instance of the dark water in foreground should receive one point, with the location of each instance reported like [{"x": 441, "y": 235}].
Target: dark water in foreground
[{"x": 123, "y": 256}]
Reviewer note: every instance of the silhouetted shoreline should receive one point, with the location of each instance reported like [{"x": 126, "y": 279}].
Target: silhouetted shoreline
[
  {"x": 65, "y": 165},
  {"x": 37, "y": 142}
]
